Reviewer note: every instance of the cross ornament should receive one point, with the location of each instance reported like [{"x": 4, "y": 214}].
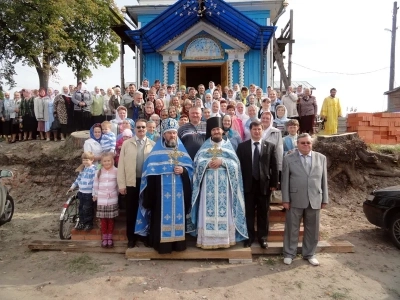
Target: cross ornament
[
  {"x": 215, "y": 150},
  {"x": 174, "y": 155}
]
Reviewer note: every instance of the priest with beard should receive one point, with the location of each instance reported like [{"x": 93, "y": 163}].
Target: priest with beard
[
  {"x": 165, "y": 192},
  {"x": 218, "y": 210}
]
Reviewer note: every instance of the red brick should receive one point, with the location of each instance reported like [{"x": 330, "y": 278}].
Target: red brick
[
  {"x": 92, "y": 237},
  {"x": 77, "y": 237}
]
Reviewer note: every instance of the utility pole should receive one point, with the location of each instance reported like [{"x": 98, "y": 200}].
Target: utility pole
[{"x": 393, "y": 47}]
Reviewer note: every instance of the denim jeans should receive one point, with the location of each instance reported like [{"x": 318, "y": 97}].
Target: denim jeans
[{"x": 85, "y": 208}]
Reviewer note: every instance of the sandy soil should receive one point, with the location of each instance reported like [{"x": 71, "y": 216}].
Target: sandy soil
[{"x": 372, "y": 272}]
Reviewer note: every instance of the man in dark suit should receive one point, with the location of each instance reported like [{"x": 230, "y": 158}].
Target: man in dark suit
[
  {"x": 304, "y": 194},
  {"x": 259, "y": 164}
]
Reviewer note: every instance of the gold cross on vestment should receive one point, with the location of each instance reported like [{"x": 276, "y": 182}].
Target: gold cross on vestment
[
  {"x": 174, "y": 155},
  {"x": 215, "y": 150}
]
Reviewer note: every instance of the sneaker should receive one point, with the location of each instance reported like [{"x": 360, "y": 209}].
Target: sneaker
[
  {"x": 313, "y": 261},
  {"x": 80, "y": 226},
  {"x": 88, "y": 227},
  {"x": 287, "y": 260}
]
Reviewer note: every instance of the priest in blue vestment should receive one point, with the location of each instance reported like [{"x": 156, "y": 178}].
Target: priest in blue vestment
[
  {"x": 165, "y": 192},
  {"x": 218, "y": 210}
]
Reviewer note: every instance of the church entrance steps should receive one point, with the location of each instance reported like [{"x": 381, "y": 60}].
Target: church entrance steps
[{"x": 235, "y": 254}]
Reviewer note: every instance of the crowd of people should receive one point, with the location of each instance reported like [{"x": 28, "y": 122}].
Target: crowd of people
[{"x": 199, "y": 161}]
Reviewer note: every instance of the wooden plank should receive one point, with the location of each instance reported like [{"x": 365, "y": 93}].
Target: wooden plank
[
  {"x": 235, "y": 253},
  {"x": 322, "y": 247},
  {"x": 76, "y": 246}
]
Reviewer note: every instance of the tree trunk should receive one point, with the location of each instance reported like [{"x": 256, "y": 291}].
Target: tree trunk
[{"x": 43, "y": 71}]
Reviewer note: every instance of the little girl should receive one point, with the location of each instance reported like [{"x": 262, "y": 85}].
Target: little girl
[{"x": 105, "y": 192}]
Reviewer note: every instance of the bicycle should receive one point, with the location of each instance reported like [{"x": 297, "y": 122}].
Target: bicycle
[{"x": 69, "y": 217}]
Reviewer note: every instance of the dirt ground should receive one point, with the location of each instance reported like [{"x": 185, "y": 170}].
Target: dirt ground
[{"x": 38, "y": 187}]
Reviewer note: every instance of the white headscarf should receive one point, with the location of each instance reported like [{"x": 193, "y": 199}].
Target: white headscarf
[
  {"x": 217, "y": 114},
  {"x": 244, "y": 117}
]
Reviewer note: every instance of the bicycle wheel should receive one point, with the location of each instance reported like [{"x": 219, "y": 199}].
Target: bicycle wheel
[
  {"x": 69, "y": 217},
  {"x": 8, "y": 211}
]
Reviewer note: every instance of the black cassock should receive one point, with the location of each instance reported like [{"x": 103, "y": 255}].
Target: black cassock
[{"x": 152, "y": 201}]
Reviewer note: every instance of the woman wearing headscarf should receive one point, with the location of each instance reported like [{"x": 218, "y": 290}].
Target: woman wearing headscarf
[
  {"x": 50, "y": 93},
  {"x": 117, "y": 126},
  {"x": 11, "y": 110},
  {"x": 49, "y": 117},
  {"x": 64, "y": 110},
  {"x": 215, "y": 109},
  {"x": 83, "y": 102},
  {"x": 229, "y": 133},
  {"x": 27, "y": 111},
  {"x": 93, "y": 143},
  {"x": 97, "y": 109},
  {"x": 241, "y": 112},
  {"x": 281, "y": 119},
  {"x": 41, "y": 111},
  {"x": 106, "y": 105}
]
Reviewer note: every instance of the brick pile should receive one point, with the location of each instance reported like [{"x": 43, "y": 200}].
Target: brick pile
[{"x": 375, "y": 128}]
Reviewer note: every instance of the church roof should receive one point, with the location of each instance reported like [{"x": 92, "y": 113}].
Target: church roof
[{"x": 182, "y": 15}]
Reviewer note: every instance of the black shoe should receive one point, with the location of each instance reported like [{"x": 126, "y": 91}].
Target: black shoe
[
  {"x": 88, "y": 227},
  {"x": 247, "y": 243},
  {"x": 131, "y": 244},
  {"x": 263, "y": 243}
]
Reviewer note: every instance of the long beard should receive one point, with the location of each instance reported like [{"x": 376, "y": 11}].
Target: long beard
[{"x": 171, "y": 143}]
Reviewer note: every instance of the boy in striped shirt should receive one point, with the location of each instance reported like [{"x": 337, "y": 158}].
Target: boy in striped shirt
[
  {"x": 108, "y": 139},
  {"x": 84, "y": 182}
]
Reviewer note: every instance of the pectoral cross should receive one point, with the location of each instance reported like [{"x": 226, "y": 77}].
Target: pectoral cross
[
  {"x": 174, "y": 155},
  {"x": 215, "y": 150}
]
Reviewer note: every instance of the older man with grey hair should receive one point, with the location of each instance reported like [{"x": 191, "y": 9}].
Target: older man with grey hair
[
  {"x": 304, "y": 194},
  {"x": 138, "y": 111}
]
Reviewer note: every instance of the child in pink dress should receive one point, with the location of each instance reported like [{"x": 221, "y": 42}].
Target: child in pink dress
[{"x": 105, "y": 192}]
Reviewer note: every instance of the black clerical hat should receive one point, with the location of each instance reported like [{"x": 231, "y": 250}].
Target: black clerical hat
[{"x": 213, "y": 123}]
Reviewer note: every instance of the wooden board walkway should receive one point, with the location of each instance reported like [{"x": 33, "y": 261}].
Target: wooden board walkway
[{"x": 235, "y": 254}]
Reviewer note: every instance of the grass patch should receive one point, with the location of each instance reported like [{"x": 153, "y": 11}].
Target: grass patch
[
  {"x": 385, "y": 149},
  {"x": 338, "y": 295},
  {"x": 83, "y": 264}
]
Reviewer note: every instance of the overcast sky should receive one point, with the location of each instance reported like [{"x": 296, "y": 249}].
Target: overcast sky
[{"x": 331, "y": 36}]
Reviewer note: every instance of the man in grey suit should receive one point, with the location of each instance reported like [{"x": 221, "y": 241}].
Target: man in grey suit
[{"x": 304, "y": 194}]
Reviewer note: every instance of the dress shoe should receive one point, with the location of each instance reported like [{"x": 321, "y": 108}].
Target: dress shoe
[
  {"x": 287, "y": 260},
  {"x": 313, "y": 261},
  {"x": 263, "y": 243},
  {"x": 247, "y": 244},
  {"x": 131, "y": 244}
]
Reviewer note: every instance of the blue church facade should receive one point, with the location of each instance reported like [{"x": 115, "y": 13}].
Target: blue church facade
[{"x": 193, "y": 41}]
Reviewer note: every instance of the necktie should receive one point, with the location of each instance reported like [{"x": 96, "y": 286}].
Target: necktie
[
  {"x": 140, "y": 142},
  {"x": 256, "y": 162},
  {"x": 306, "y": 165}
]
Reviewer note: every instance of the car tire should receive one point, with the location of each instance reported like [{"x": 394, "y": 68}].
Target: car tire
[
  {"x": 8, "y": 211},
  {"x": 394, "y": 230}
]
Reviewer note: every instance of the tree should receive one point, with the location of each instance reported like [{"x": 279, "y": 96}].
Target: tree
[
  {"x": 96, "y": 44},
  {"x": 41, "y": 34}
]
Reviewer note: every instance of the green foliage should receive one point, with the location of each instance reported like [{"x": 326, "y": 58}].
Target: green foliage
[{"x": 43, "y": 34}]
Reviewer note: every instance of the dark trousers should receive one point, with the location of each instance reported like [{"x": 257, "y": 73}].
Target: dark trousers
[
  {"x": 85, "y": 208},
  {"x": 132, "y": 205},
  {"x": 255, "y": 201},
  {"x": 98, "y": 119},
  {"x": 82, "y": 120}
]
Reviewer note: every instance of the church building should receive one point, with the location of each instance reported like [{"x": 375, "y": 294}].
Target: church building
[{"x": 189, "y": 42}]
